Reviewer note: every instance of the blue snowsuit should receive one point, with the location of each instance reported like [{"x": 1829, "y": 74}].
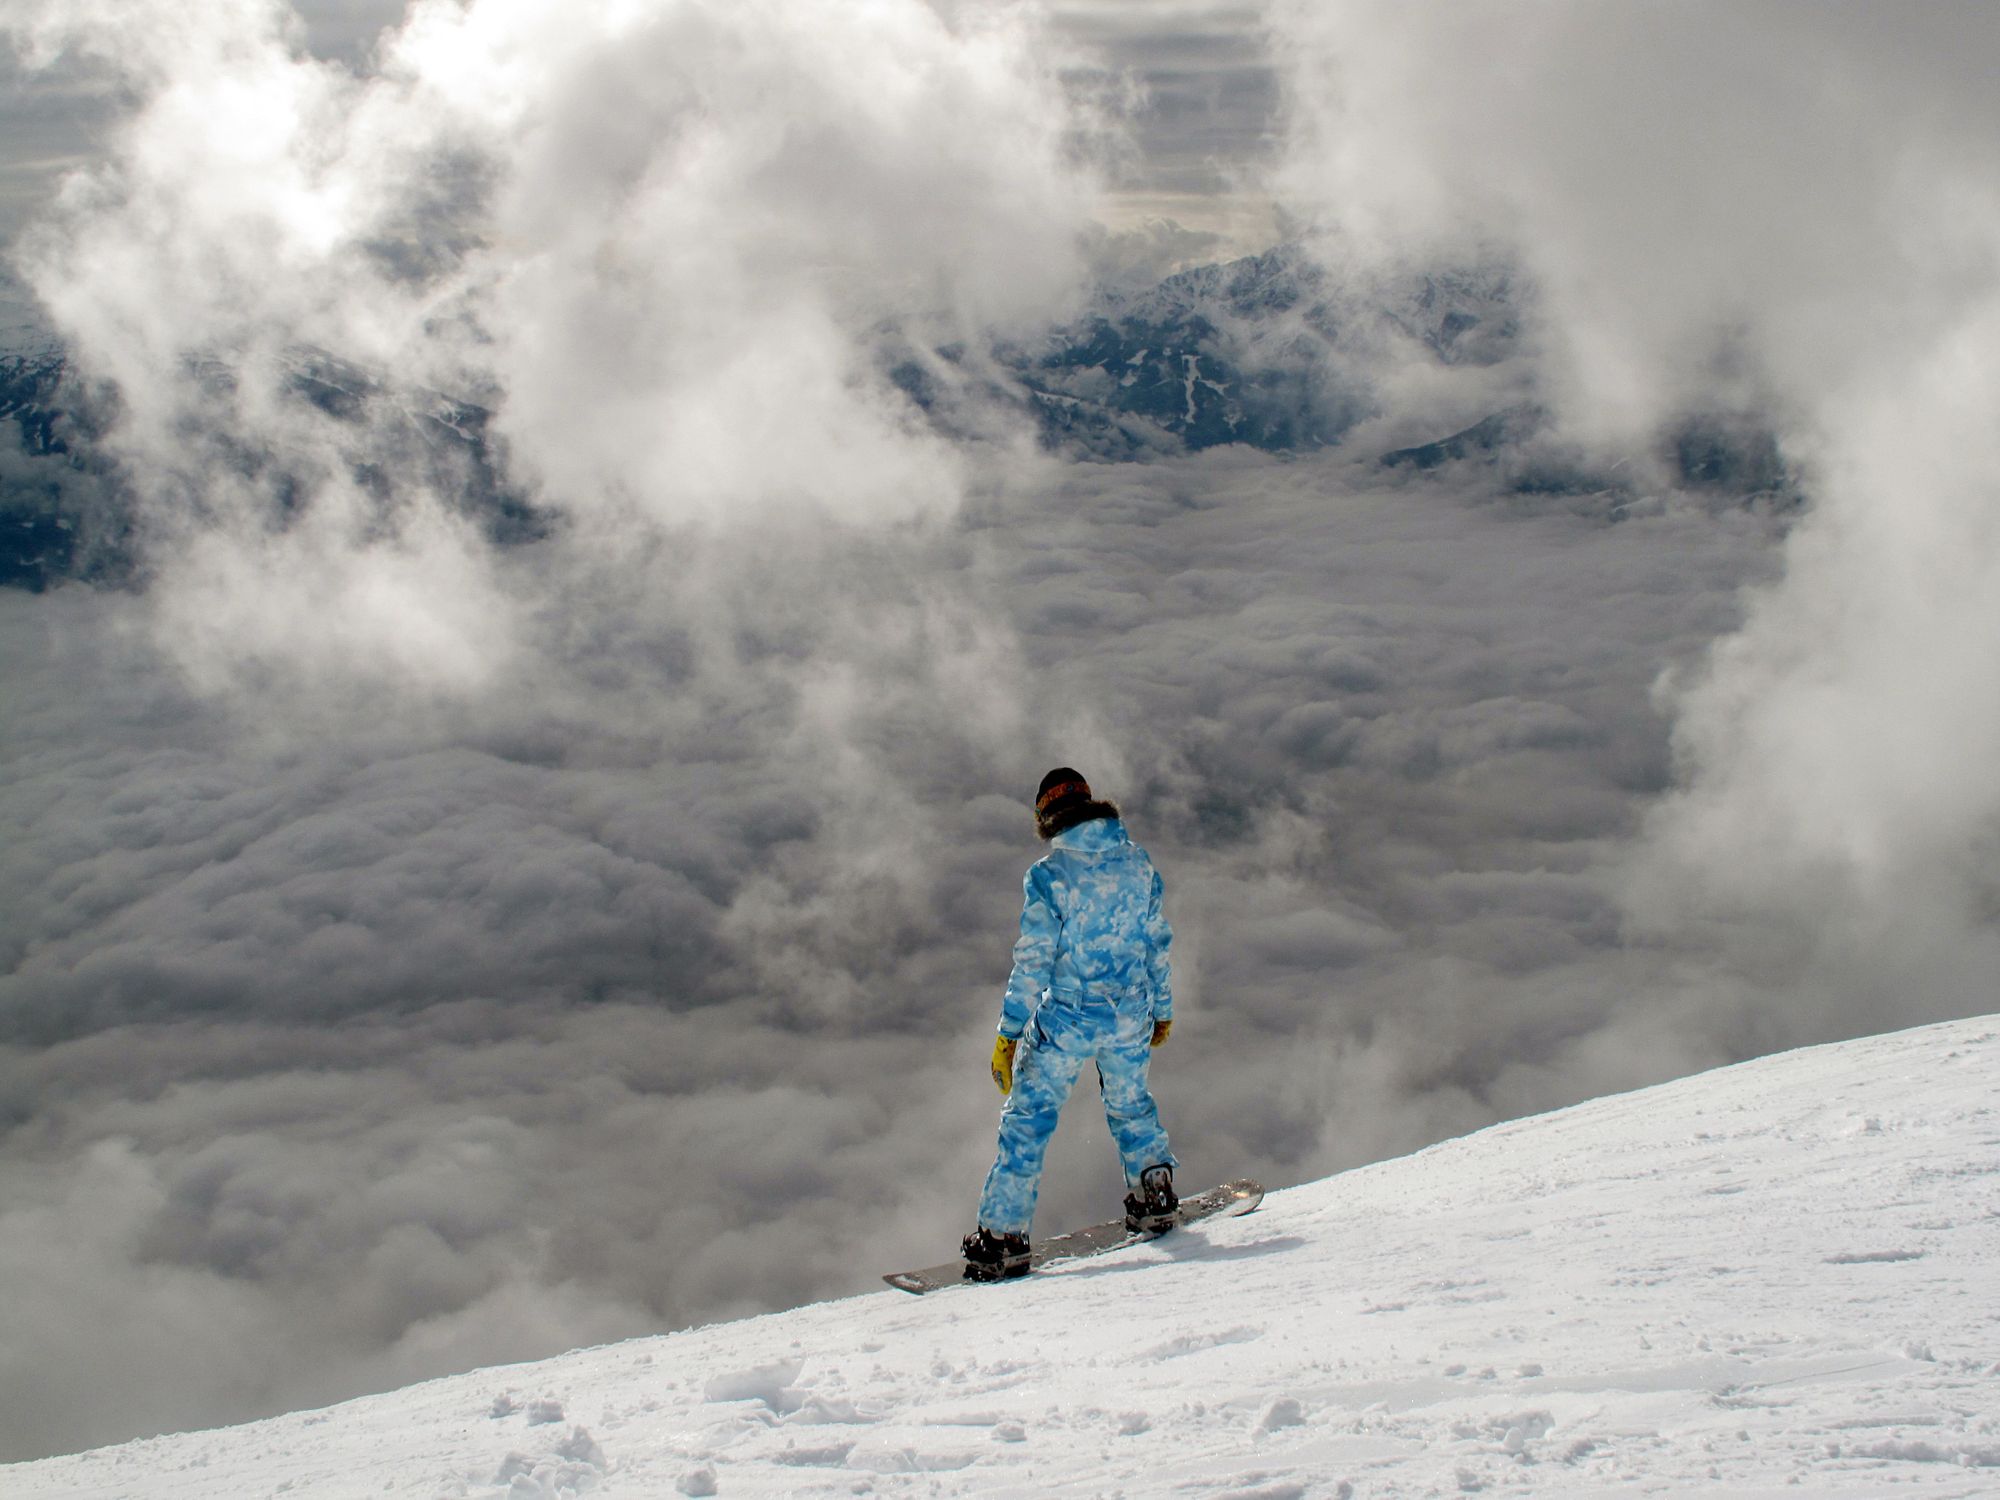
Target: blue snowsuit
[{"x": 1089, "y": 981}]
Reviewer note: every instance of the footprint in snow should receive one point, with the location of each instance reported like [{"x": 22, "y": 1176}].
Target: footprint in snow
[
  {"x": 1194, "y": 1343},
  {"x": 828, "y": 1456},
  {"x": 1259, "y": 1491}
]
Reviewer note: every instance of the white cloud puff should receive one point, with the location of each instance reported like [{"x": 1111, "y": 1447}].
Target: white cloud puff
[
  {"x": 666, "y": 245},
  {"x": 1783, "y": 208}
]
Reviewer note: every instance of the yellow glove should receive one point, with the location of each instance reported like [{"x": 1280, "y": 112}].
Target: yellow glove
[
  {"x": 1003, "y": 1062},
  {"x": 1161, "y": 1030}
]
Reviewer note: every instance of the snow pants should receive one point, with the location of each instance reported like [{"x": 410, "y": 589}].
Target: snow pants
[{"x": 1067, "y": 1032}]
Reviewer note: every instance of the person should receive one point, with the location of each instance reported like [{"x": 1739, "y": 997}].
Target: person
[{"x": 1089, "y": 984}]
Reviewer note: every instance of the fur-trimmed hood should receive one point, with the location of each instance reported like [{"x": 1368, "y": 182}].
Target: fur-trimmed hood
[{"x": 1066, "y": 815}]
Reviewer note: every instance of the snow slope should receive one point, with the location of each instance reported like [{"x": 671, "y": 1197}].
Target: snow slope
[{"x": 1781, "y": 1275}]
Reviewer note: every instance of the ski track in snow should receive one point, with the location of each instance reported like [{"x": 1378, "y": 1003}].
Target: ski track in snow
[{"x": 1782, "y": 1277}]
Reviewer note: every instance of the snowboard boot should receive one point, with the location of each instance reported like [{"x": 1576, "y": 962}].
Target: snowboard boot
[
  {"x": 1154, "y": 1209},
  {"x": 994, "y": 1257}
]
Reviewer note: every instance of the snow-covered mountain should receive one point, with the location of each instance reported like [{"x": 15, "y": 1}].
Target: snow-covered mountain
[
  {"x": 65, "y": 511},
  {"x": 38, "y": 506},
  {"x": 1778, "y": 1277},
  {"x": 1272, "y": 351}
]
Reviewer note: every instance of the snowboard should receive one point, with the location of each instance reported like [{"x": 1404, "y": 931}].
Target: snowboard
[{"x": 1230, "y": 1199}]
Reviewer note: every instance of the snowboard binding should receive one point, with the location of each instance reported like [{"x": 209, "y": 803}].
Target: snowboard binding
[
  {"x": 1154, "y": 1209},
  {"x": 994, "y": 1257}
]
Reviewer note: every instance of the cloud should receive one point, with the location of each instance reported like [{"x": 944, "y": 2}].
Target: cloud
[
  {"x": 1745, "y": 176},
  {"x": 1788, "y": 211},
  {"x": 1195, "y": 90},
  {"x": 1206, "y": 105},
  {"x": 667, "y": 248}
]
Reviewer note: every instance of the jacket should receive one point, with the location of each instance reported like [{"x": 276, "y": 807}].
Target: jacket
[{"x": 1092, "y": 926}]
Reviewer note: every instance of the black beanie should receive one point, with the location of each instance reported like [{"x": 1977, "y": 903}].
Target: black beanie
[
  {"x": 1058, "y": 787},
  {"x": 1064, "y": 800}
]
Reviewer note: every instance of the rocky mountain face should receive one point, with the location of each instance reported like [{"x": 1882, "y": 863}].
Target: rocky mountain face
[{"x": 46, "y": 489}]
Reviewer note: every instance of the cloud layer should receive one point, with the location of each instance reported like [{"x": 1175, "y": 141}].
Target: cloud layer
[{"x": 655, "y": 986}]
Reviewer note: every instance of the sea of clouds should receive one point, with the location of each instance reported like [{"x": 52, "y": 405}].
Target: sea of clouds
[{"x": 417, "y": 952}]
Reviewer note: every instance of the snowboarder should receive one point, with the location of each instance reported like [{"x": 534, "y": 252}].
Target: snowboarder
[{"x": 1089, "y": 984}]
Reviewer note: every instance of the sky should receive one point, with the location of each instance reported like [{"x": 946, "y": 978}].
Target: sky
[
  {"x": 418, "y": 953},
  {"x": 1191, "y": 77}
]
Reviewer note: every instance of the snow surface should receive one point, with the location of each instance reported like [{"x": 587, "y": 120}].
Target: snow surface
[{"x": 1781, "y": 1277}]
